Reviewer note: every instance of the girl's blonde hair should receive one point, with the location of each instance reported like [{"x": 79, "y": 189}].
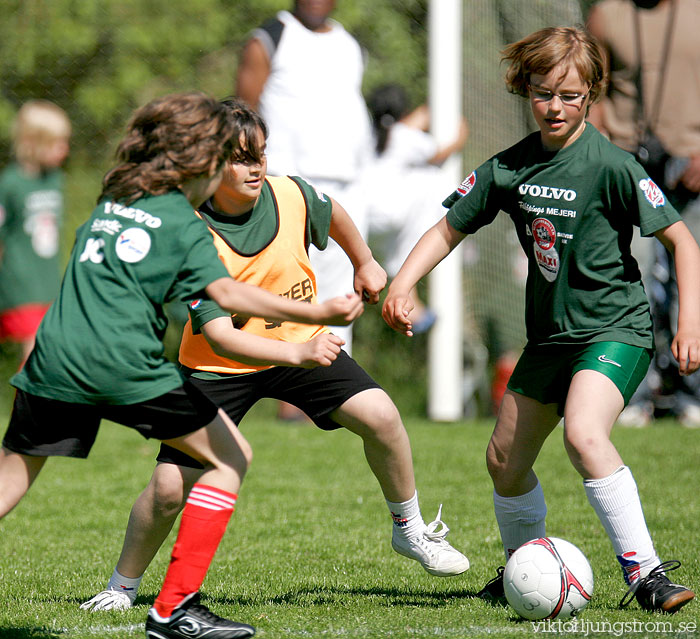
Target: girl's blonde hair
[
  {"x": 169, "y": 140},
  {"x": 39, "y": 123},
  {"x": 547, "y": 48}
]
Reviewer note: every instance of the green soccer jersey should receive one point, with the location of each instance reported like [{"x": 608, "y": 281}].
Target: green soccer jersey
[
  {"x": 31, "y": 212},
  {"x": 101, "y": 341},
  {"x": 574, "y": 212},
  {"x": 249, "y": 233}
]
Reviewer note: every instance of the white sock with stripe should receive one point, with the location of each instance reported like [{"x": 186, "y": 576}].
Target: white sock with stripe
[
  {"x": 615, "y": 500},
  {"x": 129, "y": 587}
]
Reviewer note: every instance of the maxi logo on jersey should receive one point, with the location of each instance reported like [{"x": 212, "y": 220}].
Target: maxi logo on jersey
[{"x": 545, "y": 236}]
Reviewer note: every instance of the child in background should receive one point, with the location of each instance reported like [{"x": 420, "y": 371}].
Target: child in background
[
  {"x": 573, "y": 197},
  {"x": 262, "y": 227},
  {"x": 31, "y": 212},
  {"x": 401, "y": 186},
  {"x": 99, "y": 351}
]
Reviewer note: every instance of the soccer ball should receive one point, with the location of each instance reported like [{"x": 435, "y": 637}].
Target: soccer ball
[{"x": 548, "y": 578}]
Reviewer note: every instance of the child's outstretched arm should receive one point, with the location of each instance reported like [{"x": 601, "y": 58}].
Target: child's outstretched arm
[
  {"x": 370, "y": 277},
  {"x": 227, "y": 341},
  {"x": 435, "y": 245},
  {"x": 686, "y": 344},
  {"x": 244, "y": 299}
]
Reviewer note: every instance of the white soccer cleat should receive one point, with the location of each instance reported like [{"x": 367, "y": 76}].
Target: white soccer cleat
[
  {"x": 108, "y": 600},
  {"x": 431, "y": 550}
]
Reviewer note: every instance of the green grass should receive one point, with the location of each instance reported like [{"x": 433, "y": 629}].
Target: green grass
[{"x": 308, "y": 551}]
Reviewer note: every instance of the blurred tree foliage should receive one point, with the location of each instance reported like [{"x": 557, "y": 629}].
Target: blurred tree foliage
[{"x": 99, "y": 60}]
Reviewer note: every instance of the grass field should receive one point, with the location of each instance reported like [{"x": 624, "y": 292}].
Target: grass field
[{"x": 308, "y": 551}]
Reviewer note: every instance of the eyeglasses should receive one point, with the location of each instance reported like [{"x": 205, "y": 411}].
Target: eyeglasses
[{"x": 568, "y": 98}]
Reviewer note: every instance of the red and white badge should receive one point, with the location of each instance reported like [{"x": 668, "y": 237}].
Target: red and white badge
[
  {"x": 652, "y": 193},
  {"x": 546, "y": 256},
  {"x": 467, "y": 185}
]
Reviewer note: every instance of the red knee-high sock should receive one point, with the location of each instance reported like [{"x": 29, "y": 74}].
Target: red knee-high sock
[{"x": 203, "y": 524}]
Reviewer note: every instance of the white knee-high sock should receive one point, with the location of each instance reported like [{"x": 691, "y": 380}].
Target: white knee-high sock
[
  {"x": 520, "y": 518},
  {"x": 616, "y": 502}
]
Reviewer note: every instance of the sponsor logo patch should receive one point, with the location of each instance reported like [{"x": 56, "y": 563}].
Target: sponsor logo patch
[
  {"x": 133, "y": 244},
  {"x": 399, "y": 520},
  {"x": 544, "y": 233},
  {"x": 653, "y": 194},
  {"x": 546, "y": 255},
  {"x": 467, "y": 185}
]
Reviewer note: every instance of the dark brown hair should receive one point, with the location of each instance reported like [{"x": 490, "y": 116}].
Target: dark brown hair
[
  {"x": 246, "y": 123},
  {"x": 169, "y": 140},
  {"x": 547, "y": 48}
]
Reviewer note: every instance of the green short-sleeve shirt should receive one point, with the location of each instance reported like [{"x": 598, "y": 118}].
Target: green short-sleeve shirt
[
  {"x": 101, "y": 341},
  {"x": 574, "y": 212},
  {"x": 31, "y": 214}
]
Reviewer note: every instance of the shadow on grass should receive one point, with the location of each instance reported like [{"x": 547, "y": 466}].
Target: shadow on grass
[
  {"x": 325, "y": 595},
  {"x": 328, "y": 595},
  {"x": 28, "y": 633}
]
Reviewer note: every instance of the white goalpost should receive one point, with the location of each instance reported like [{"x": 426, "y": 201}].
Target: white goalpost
[{"x": 445, "y": 342}]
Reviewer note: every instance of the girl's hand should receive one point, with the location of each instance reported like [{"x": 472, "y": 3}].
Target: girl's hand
[
  {"x": 395, "y": 311},
  {"x": 686, "y": 349}
]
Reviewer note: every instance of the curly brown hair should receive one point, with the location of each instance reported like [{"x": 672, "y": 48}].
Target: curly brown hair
[
  {"x": 169, "y": 140},
  {"x": 547, "y": 48}
]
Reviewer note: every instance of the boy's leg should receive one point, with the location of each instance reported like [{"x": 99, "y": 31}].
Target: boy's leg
[
  {"x": 152, "y": 517},
  {"x": 373, "y": 416},
  {"x": 226, "y": 455},
  {"x": 17, "y": 473},
  {"x": 177, "y": 611}
]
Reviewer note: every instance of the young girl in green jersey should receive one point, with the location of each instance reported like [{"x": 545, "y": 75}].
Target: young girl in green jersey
[
  {"x": 99, "y": 351},
  {"x": 31, "y": 213},
  {"x": 573, "y": 197},
  {"x": 262, "y": 228}
]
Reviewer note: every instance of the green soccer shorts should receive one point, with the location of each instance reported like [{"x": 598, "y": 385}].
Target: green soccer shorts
[{"x": 544, "y": 373}]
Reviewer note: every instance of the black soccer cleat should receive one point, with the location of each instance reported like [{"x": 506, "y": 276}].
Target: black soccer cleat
[
  {"x": 656, "y": 593},
  {"x": 192, "y": 620},
  {"x": 493, "y": 591}
]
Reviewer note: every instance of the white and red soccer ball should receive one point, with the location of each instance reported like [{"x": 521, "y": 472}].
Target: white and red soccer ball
[{"x": 548, "y": 578}]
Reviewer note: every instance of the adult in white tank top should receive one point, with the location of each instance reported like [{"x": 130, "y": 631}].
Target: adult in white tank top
[{"x": 303, "y": 72}]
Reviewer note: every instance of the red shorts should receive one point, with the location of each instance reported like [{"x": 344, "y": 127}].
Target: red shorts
[{"x": 21, "y": 323}]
